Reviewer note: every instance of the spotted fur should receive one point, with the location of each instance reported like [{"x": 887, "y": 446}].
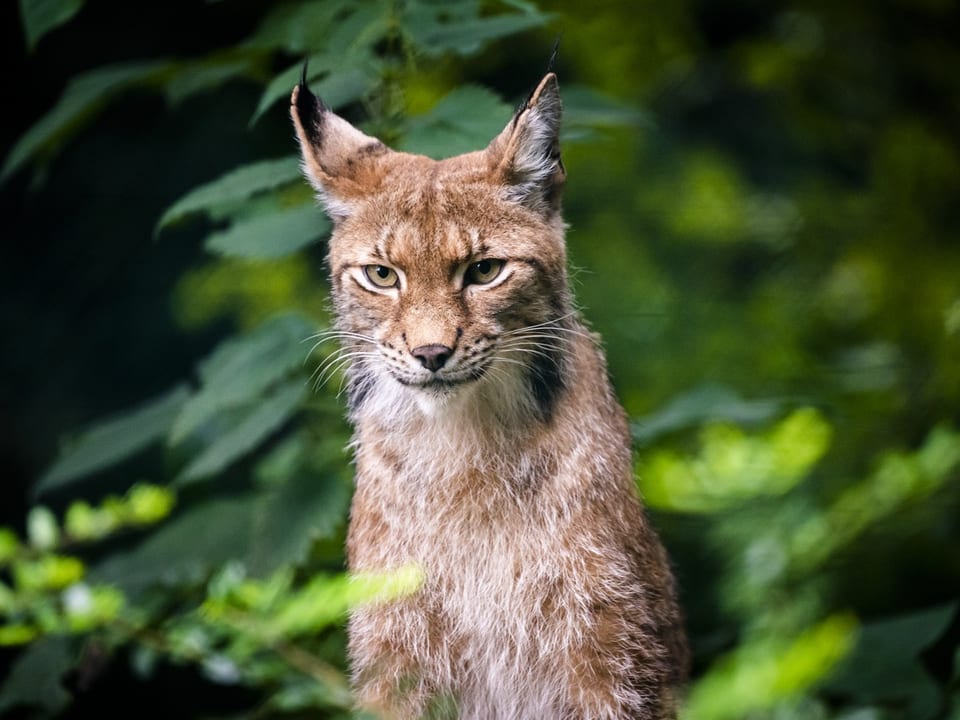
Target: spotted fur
[{"x": 505, "y": 473}]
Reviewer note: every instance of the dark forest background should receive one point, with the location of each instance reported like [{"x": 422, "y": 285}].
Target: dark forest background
[{"x": 764, "y": 201}]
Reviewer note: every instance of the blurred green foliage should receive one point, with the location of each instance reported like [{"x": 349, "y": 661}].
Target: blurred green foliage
[{"x": 763, "y": 210}]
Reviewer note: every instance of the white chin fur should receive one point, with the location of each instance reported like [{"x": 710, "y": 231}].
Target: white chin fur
[
  {"x": 498, "y": 401},
  {"x": 433, "y": 402}
]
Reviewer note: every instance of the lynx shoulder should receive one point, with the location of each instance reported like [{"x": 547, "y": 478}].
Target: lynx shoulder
[{"x": 490, "y": 449}]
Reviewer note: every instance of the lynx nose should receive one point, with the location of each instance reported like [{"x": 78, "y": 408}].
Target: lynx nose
[{"x": 432, "y": 357}]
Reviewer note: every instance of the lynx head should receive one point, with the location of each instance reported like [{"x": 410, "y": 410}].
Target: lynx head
[{"x": 448, "y": 277}]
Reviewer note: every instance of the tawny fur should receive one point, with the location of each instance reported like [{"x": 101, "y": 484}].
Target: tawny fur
[{"x": 505, "y": 475}]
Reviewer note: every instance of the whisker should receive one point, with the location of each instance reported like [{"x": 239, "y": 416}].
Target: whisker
[
  {"x": 337, "y": 362},
  {"x": 548, "y": 343},
  {"x": 556, "y": 331},
  {"x": 552, "y": 327},
  {"x": 328, "y": 335},
  {"x": 534, "y": 350},
  {"x": 510, "y": 361},
  {"x": 546, "y": 323},
  {"x": 329, "y": 374},
  {"x": 341, "y": 353},
  {"x": 333, "y": 333}
]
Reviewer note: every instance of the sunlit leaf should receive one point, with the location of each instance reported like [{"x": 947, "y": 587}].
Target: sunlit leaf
[
  {"x": 760, "y": 673},
  {"x": 84, "y": 522},
  {"x": 242, "y": 368},
  {"x": 86, "y": 607},
  {"x": 325, "y": 600},
  {"x": 898, "y": 479},
  {"x": 733, "y": 468},
  {"x": 257, "y": 424},
  {"x": 42, "y": 528},
  {"x": 49, "y": 572},
  {"x": 41, "y": 16},
  {"x": 83, "y": 97},
  {"x": 113, "y": 440},
  {"x": 270, "y": 236},
  {"x": 9, "y": 544},
  {"x": 147, "y": 504},
  {"x": 238, "y": 184},
  {"x": 17, "y": 634},
  {"x": 465, "y": 120}
]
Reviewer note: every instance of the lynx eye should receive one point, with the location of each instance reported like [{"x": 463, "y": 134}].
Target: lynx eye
[
  {"x": 483, "y": 272},
  {"x": 381, "y": 275}
]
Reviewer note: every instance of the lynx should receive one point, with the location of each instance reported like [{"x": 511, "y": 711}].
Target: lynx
[{"x": 490, "y": 449}]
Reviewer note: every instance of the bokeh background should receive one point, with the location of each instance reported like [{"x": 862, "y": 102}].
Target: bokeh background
[{"x": 764, "y": 209}]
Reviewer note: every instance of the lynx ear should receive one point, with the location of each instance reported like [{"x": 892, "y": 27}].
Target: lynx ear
[
  {"x": 526, "y": 155},
  {"x": 339, "y": 161}
]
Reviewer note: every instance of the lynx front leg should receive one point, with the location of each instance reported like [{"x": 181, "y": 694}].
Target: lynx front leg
[
  {"x": 386, "y": 647},
  {"x": 617, "y": 672},
  {"x": 596, "y": 693}
]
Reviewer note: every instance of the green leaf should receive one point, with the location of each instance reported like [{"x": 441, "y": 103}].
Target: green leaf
[
  {"x": 307, "y": 504},
  {"x": 885, "y": 666},
  {"x": 43, "y": 532},
  {"x": 113, "y": 440},
  {"x": 255, "y": 426},
  {"x": 342, "y": 37},
  {"x": 48, "y": 572},
  {"x": 35, "y": 679},
  {"x": 182, "y": 550},
  {"x": 83, "y": 522},
  {"x": 707, "y": 403},
  {"x": 83, "y": 97},
  {"x": 732, "y": 468},
  {"x": 302, "y": 693},
  {"x": 17, "y": 634},
  {"x": 238, "y": 184},
  {"x": 86, "y": 607},
  {"x": 148, "y": 504},
  {"x": 325, "y": 600},
  {"x": 585, "y": 109},
  {"x": 272, "y": 235},
  {"x": 466, "y": 119},
  {"x": 437, "y": 28},
  {"x": 302, "y": 27},
  {"x": 9, "y": 545},
  {"x": 241, "y": 369},
  {"x": 41, "y": 16},
  {"x": 753, "y": 678},
  {"x": 205, "y": 74}
]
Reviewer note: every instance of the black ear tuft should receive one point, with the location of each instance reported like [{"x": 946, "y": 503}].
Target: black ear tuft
[
  {"x": 551, "y": 68},
  {"x": 552, "y": 63},
  {"x": 310, "y": 108},
  {"x": 303, "y": 74}
]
